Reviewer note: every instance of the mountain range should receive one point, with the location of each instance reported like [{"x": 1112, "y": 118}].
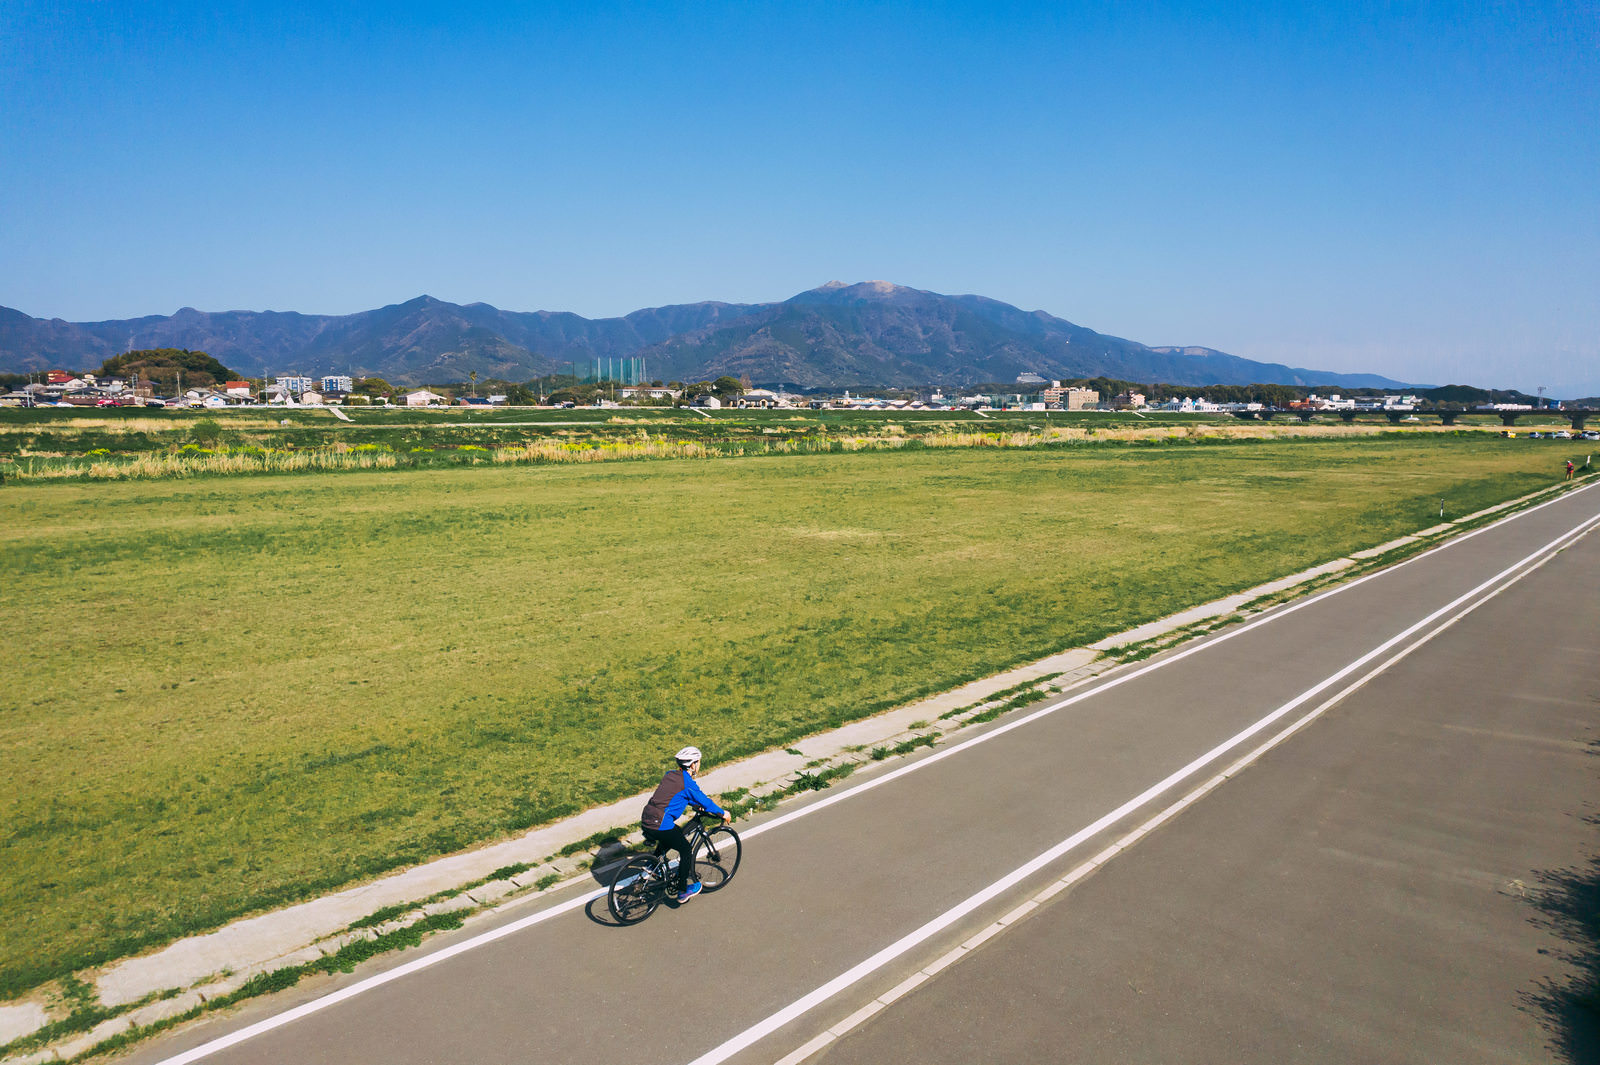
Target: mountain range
[{"x": 839, "y": 335}]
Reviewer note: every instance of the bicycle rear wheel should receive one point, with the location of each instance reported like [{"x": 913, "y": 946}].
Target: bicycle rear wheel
[
  {"x": 636, "y": 890},
  {"x": 716, "y": 859}
]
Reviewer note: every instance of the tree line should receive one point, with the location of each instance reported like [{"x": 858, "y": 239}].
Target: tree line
[
  {"x": 165, "y": 367},
  {"x": 1446, "y": 396}
]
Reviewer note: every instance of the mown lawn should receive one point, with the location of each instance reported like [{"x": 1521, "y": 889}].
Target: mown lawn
[{"x": 222, "y": 694}]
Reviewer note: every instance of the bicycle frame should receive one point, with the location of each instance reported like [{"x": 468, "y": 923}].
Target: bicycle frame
[{"x": 645, "y": 880}]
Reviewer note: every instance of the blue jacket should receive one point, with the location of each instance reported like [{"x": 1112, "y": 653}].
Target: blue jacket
[{"x": 676, "y": 791}]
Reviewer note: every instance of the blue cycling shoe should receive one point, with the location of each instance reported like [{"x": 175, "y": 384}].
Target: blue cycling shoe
[{"x": 689, "y": 892}]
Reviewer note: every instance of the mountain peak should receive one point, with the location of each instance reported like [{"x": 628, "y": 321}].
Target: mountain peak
[
  {"x": 864, "y": 288},
  {"x": 843, "y": 292}
]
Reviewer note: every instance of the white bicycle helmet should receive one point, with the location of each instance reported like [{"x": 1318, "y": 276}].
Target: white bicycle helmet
[{"x": 688, "y": 756}]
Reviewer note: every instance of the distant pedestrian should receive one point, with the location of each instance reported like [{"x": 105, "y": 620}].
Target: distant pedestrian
[{"x": 1570, "y": 468}]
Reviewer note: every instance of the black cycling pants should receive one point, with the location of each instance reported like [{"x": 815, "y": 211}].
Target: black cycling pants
[{"x": 673, "y": 839}]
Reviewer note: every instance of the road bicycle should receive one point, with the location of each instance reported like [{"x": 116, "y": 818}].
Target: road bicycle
[{"x": 644, "y": 881}]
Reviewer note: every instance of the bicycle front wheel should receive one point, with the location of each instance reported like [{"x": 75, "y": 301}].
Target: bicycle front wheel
[
  {"x": 636, "y": 891},
  {"x": 716, "y": 858}
]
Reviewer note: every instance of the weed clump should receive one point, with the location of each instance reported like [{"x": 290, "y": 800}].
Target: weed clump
[{"x": 821, "y": 779}]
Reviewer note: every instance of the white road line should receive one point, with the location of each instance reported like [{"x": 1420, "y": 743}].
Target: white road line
[
  {"x": 306, "y": 1009},
  {"x": 938, "y": 924},
  {"x": 1081, "y": 872}
]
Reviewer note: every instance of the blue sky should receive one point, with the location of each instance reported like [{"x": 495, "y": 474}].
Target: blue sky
[{"x": 1406, "y": 189}]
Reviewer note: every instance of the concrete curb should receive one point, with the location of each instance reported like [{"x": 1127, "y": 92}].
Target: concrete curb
[{"x": 174, "y": 980}]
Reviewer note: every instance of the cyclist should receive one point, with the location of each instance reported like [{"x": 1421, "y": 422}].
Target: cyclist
[{"x": 660, "y": 821}]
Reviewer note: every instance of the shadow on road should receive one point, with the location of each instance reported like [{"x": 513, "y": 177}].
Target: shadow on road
[
  {"x": 1568, "y": 902},
  {"x": 603, "y": 869},
  {"x": 600, "y": 914}
]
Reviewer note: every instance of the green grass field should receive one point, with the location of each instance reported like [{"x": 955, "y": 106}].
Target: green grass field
[{"x": 227, "y": 693}]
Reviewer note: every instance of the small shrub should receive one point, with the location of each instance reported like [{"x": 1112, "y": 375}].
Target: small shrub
[
  {"x": 206, "y": 432},
  {"x": 907, "y": 746},
  {"x": 820, "y": 780},
  {"x": 506, "y": 872},
  {"x": 383, "y": 916}
]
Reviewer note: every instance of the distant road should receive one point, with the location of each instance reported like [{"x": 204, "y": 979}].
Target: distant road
[{"x": 1364, "y": 891}]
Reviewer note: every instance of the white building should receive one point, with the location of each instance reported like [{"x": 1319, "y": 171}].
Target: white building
[
  {"x": 1190, "y": 405},
  {"x": 760, "y": 397},
  {"x": 423, "y": 398},
  {"x": 295, "y": 385},
  {"x": 648, "y": 392},
  {"x": 338, "y": 383}
]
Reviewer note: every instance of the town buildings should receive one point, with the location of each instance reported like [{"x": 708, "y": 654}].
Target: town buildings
[{"x": 1069, "y": 397}]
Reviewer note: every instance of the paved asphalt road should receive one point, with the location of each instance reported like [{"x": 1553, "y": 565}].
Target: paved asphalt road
[
  {"x": 1368, "y": 890},
  {"x": 1381, "y": 888}
]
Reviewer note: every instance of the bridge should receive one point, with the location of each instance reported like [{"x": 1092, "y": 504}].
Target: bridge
[{"x": 1578, "y": 416}]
